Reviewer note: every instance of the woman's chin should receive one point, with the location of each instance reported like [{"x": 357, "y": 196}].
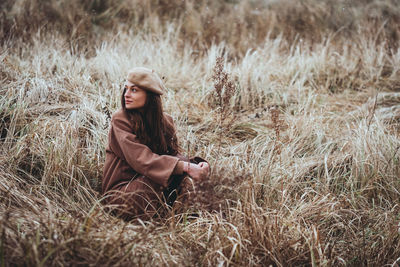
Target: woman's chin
[{"x": 130, "y": 106}]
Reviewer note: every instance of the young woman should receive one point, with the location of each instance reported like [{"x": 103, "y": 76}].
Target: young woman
[{"x": 143, "y": 166}]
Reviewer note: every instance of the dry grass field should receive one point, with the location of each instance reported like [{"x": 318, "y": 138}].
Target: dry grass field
[{"x": 296, "y": 105}]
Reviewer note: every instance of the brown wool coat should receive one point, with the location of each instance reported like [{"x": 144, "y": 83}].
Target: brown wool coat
[{"x": 134, "y": 177}]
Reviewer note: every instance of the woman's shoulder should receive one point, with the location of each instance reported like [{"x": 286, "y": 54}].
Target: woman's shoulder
[
  {"x": 119, "y": 114},
  {"x": 120, "y": 119}
]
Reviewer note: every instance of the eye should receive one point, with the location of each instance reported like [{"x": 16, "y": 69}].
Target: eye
[{"x": 133, "y": 90}]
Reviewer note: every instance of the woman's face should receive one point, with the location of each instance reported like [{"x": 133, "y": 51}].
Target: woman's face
[{"x": 135, "y": 97}]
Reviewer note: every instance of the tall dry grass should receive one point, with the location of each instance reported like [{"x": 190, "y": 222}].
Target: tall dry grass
[
  {"x": 306, "y": 172},
  {"x": 241, "y": 25}
]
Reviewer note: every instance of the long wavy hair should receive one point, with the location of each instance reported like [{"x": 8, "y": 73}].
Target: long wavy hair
[{"x": 151, "y": 127}]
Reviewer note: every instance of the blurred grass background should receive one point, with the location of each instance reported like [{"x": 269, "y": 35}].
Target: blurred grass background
[{"x": 303, "y": 137}]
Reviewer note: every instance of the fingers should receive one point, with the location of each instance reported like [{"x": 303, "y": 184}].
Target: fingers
[
  {"x": 206, "y": 169},
  {"x": 195, "y": 171},
  {"x": 199, "y": 171},
  {"x": 203, "y": 164}
]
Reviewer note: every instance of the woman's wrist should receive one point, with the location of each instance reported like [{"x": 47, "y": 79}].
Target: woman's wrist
[{"x": 186, "y": 167}]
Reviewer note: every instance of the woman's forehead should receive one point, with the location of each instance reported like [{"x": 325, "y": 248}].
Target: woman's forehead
[{"x": 129, "y": 84}]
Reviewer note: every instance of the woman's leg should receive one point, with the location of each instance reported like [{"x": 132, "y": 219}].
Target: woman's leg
[
  {"x": 179, "y": 185},
  {"x": 173, "y": 189},
  {"x": 140, "y": 198}
]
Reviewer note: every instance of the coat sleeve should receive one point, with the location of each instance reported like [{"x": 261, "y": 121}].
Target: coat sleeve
[{"x": 126, "y": 145}]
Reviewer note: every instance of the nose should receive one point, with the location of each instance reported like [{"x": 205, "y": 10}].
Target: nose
[{"x": 128, "y": 92}]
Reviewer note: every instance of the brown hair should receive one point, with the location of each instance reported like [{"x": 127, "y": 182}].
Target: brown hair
[{"x": 151, "y": 127}]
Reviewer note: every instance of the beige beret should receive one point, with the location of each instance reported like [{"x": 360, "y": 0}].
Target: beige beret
[{"x": 147, "y": 79}]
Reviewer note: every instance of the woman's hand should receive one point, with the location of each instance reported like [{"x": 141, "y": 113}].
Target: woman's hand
[{"x": 198, "y": 172}]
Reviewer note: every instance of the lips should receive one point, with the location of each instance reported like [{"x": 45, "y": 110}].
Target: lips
[{"x": 128, "y": 101}]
